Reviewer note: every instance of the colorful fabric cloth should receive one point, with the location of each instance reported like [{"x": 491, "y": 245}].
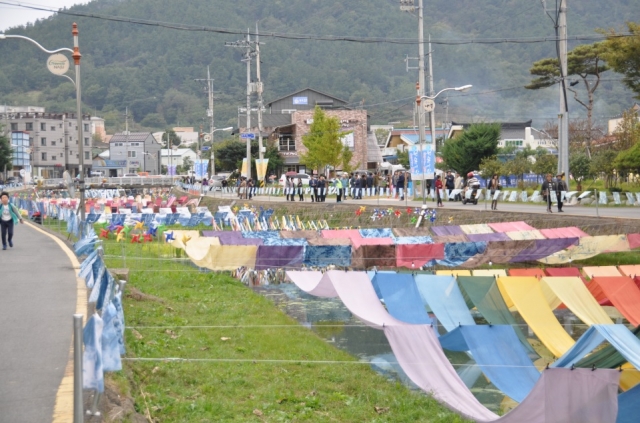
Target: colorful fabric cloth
[{"x": 414, "y": 256}]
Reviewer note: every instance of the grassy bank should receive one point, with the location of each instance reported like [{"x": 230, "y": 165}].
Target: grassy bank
[{"x": 248, "y": 332}]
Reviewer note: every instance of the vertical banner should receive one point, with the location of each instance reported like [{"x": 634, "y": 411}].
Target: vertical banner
[
  {"x": 245, "y": 169},
  {"x": 261, "y": 168},
  {"x": 201, "y": 167},
  {"x": 422, "y": 162},
  {"x": 171, "y": 170}
]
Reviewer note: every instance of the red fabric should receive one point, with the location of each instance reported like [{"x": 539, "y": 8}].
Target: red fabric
[
  {"x": 634, "y": 241},
  {"x": 564, "y": 271},
  {"x": 623, "y": 293},
  {"x": 538, "y": 273},
  {"x": 418, "y": 254},
  {"x": 598, "y": 294}
]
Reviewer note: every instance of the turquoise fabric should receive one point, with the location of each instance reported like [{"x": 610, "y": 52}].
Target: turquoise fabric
[
  {"x": 443, "y": 296},
  {"x": 401, "y": 297}
]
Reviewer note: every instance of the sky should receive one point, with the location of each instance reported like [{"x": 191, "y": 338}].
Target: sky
[{"x": 11, "y": 16}]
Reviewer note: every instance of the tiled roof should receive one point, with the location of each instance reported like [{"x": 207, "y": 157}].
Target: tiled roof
[{"x": 131, "y": 137}]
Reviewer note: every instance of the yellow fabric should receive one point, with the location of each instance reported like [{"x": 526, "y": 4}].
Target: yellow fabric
[
  {"x": 552, "y": 299},
  {"x": 482, "y": 228},
  {"x": 589, "y": 246},
  {"x": 575, "y": 295},
  {"x": 453, "y": 272},
  {"x": 490, "y": 272},
  {"x": 630, "y": 270},
  {"x": 231, "y": 257},
  {"x": 593, "y": 271},
  {"x": 527, "y": 295},
  {"x": 525, "y": 235},
  {"x": 629, "y": 378},
  {"x": 182, "y": 237},
  {"x": 199, "y": 251}
]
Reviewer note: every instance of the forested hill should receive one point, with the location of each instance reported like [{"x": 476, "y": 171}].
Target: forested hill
[{"x": 151, "y": 69}]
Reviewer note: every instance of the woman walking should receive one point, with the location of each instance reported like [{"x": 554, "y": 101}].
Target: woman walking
[
  {"x": 300, "y": 191},
  {"x": 439, "y": 187},
  {"x": 9, "y": 216},
  {"x": 494, "y": 185}
]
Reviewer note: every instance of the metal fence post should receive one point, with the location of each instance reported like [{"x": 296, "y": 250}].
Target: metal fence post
[{"x": 78, "y": 406}]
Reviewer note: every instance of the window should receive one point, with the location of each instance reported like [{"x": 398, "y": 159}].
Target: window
[
  {"x": 86, "y": 155},
  {"x": 30, "y": 141},
  {"x": 43, "y": 141},
  {"x": 135, "y": 144},
  {"x": 14, "y": 126},
  {"x": 53, "y": 158},
  {"x": 53, "y": 128},
  {"x": 131, "y": 154},
  {"x": 53, "y": 142},
  {"x": 43, "y": 156},
  {"x": 287, "y": 144},
  {"x": 43, "y": 126},
  {"x": 86, "y": 127},
  {"x": 86, "y": 141},
  {"x": 118, "y": 144},
  {"x": 77, "y": 156},
  {"x": 514, "y": 143},
  {"x": 60, "y": 125},
  {"x": 29, "y": 126},
  {"x": 69, "y": 124}
]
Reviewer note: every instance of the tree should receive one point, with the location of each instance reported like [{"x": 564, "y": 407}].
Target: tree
[
  {"x": 403, "y": 158},
  {"x": 545, "y": 163},
  {"x": 623, "y": 55},
  {"x": 580, "y": 166},
  {"x": 347, "y": 155},
  {"x": 628, "y": 131},
  {"x": 323, "y": 142},
  {"x": 602, "y": 165},
  {"x": 172, "y": 136},
  {"x": 275, "y": 160},
  {"x": 153, "y": 120},
  {"x": 465, "y": 152},
  {"x": 585, "y": 61},
  {"x": 187, "y": 164},
  {"x": 518, "y": 166},
  {"x": 229, "y": 154},
  {"x": 490, "y": 166},
  {"x": 5, "y": 152},
  {"x": 629, "y": 160}
]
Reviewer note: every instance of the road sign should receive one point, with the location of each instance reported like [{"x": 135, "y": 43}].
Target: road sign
[
  {"x": 206, "y": 148},
  {"x": 58, "y": 64},
  {"x": 207, "y": 138},
  {"x": 429, "y": 105},
  {"x": 248, "y": 135}
]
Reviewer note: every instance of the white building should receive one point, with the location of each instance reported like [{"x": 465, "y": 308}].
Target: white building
[
  {"x": 186, "y": 134},
  {"x": 517, "y": 134},
  {"x": 176, "y": 157},
  {"x": 139, "y": 150}
]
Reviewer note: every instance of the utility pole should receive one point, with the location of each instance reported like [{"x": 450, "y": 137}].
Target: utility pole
[
  {"x": 248, "y": 45},
  {"x": 409, "y": 5},
  {"x": 126, "y": 138},
  {"x": 445, "y": 102},
  {"x": 259, "y": 90},
  {"x": 432, "y": 116},
  {"x": 209, "y": 89}
]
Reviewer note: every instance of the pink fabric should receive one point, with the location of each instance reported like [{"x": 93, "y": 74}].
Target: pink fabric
[
  {"x": 312, "y": 282},
  {"x": 510, "y": 226},
  {"x": 570, "y": 232},
  {"x": 538, "y": 273},
  {"x": 358, "y": 242},
  {"x": 564, "y": 271},
  {"x": 341, "y": 233},
  {"x": 630, "y": 270},
  {"x": 414, "y": 256},
  {"x": 634, "y": 241}
]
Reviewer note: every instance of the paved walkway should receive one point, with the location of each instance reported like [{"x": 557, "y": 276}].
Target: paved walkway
[{"x": 37, "y": 301}]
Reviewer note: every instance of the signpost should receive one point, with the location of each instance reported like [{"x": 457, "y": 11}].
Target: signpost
[{"x": 248, "y": 136}]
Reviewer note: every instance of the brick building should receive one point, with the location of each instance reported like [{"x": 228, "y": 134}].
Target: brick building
[{"x": 289, "y": 118}]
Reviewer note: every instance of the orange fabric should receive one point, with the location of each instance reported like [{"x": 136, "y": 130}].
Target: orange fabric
[
  {"x": 623, "y": 293},
  {"x": 630, "y": 270},
  {"x": 598, "y": 294},
  {"x": 538, "y": 273}
]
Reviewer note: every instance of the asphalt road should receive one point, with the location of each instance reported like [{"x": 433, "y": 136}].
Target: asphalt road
[{"x": 37, "y": 302}]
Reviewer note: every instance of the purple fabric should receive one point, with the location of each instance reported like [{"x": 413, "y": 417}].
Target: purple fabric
[
  {"x": 447, "y": 230},
  {"x": 498, "y": 236},
  {"x": 544, "y": 248},
  {"x": 236, "y": 238},
  {"x": 212, "y": 234},
  {"x": 270, "y": 256}
]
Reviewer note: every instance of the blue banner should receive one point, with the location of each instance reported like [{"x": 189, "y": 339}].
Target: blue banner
[
  {"x": 422, "y": 161},
  {"x": 201, "y": 167}
]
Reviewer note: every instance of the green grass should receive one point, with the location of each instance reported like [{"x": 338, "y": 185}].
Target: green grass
[{"x": 296, "y": 391}]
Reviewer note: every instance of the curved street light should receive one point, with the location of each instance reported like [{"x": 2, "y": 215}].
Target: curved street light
[
  {"x": 429, "y": 106},
  {"x": 75, "y": 54}
]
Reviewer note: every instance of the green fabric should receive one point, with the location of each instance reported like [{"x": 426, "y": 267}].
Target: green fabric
[
  {"x": 606, "y": 358},
  {"x": 484, "y": 293},
  {"x": 13, "y": 211}
]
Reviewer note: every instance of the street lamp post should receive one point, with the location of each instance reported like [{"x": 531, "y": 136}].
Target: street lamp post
[
  {"x": 429, "y": 106},
  {"x": 75, "y": 54}
]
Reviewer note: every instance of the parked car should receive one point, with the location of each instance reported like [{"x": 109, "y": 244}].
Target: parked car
[
  {"x": 97, "y": 173},
  {"x": 130, "y": 175},
  {"x": 302, "y": 176}
]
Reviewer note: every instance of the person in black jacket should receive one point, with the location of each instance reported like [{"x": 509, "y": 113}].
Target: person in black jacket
[
  {"x": 548, "y": 187},
  {"x": 313, "y": 184},
  {"x": 322, "y": 189},
  {"x": 561, "y": 185},
  {"x": 401, "y": 187},
  {"x": 449, "y": 184}
]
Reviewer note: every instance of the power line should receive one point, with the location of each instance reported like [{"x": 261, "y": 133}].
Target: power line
[{"x": 293, "y": 36}]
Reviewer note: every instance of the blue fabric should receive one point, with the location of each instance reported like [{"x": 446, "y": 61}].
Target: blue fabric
[
  {"x": 118, "y": 219},
  {"x": 92, "y": 370},
  {"x": 72, "y": 224},
  {"x": 326, "y": 255},
  {"x": 372, "y": 274},
  {"x": 84, "y": 246},
  {"x": 264, "y": 235},
  {"x": 456, "y": 253},
  {"x": 443, "y": 296},
  {"x": 498, "y": 352},
  {"x": 376, "y": 233},
  {"x": 111, "y": 361},
  {"x": 147, "y": 218},
  {"x": 401, "y": 297},
  {"x": 286, "y": 241},
  {"x": 406, "y": 240},
  {"x": 629, "y": 406},
  {"x": 171, "y": 219},
  {"x": 119, "y": 320},
  {"x": 190, "y": 221},
  {"x": 86, "y": 268},
  {"x": 621, "y": 338},
  {"x": 92, "y": 218}
]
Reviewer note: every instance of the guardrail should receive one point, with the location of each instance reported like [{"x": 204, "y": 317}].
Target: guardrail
[{"x": 141, "y": 181}]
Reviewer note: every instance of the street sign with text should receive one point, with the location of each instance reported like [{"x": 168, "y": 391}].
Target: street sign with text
[{"x": 248, "y": 135}]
